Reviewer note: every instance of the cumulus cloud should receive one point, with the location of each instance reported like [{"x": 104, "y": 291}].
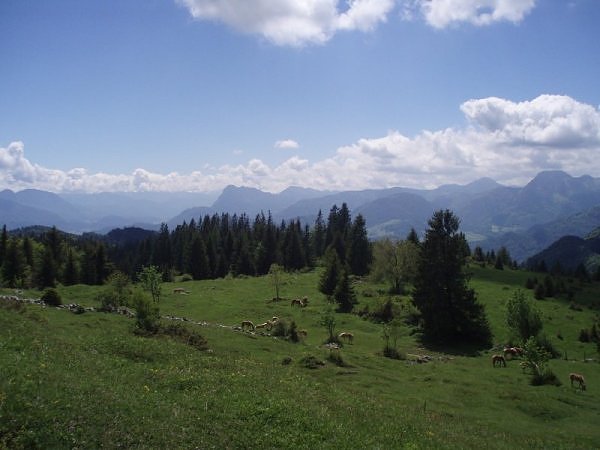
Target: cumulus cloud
[
  {"x": 508, "y": 141},
  {"x": 287, "y": 144},
  {"x": 442, "y": 13},
  {"x": 292, "y": 22}
]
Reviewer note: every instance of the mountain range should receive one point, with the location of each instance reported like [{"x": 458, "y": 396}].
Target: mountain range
[{"x": 524, "y": 219}]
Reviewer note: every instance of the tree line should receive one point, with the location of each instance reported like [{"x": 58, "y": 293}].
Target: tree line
[{"x": 212, "y": 247}]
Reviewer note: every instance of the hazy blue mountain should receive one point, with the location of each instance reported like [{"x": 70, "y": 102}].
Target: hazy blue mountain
[
  {"x": 189, "y": 214},
  {"x": 16, "y": 215},
  {"x": 570, "y": 252},
  {"x": 538, "y": 237},
  {"x": 396, "y": 215}
]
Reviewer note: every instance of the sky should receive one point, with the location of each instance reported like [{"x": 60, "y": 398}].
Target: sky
[{"x": 195, "y": 95}]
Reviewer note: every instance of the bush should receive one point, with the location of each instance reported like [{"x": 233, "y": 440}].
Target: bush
[
  {"x": 539, "y": 293},
  {"x": 51, "y": 297},
  {"x": 545, "y": 377},
  {"x": 186, "y": 277},
  {"x": 544, "y": 342},
  {"x": 335, "y": 356},
  {"x": 185, "y": 335},
  {"x": 280, "y": 329},
  {"x": 147, "y": 313},
  {"x": 311, "y": 362}
]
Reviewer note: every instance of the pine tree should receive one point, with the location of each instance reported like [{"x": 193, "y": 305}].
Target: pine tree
[
  {"x": 70, "y": 273},
  {"x": 344, "y": 294},
  {"x": 46, "y": 271},
  {"x": 13, "y": 268},
  {"x": 198, "y": 265},
  {"x": 3, "y": 244},
  {"x": 449, "y": 308},
  {"x": 318, "y": 236},
  {"x": 360, "y": 254},
  {"x": 330, "y": 276}
]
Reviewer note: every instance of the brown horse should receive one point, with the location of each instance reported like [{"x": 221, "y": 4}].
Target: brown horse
[
  {"x": 298, "y": 302},
  {"x": 579, "y": 378},
  {"x": 499, "y": 359}
]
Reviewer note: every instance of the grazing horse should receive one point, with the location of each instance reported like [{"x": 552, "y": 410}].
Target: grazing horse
[
  {"x": 579, "y": 378},
  {"x": 498, "y": 359},
  {"x": 247, "y": 324},
  {"x": 298, "y": 302},
  {"x": 264, "y": 325},
  {"x": 179, "y": 291},
  {"x": 347, "y": 336}
]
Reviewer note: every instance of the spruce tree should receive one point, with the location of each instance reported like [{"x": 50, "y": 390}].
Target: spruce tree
[
  {"x": 360, "y": 254},
  {"x": 449, "y": 308},
  {"x": 344, "y": 294},
  {"x": 331, "y": 274}
]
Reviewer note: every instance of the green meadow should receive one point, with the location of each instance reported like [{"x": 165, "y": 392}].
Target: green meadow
[{"x": 87, "y": 381}]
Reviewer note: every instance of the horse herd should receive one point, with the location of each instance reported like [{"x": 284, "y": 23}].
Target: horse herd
[
  {"x": 248, "y": 325},
  {"x": 500, "y": 361}
]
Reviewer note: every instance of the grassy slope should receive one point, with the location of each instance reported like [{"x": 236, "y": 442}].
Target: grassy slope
[{"x": 86, "y": 381}]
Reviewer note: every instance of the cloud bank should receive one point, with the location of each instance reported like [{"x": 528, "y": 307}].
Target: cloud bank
[
  {"x": 443, "y": 13},
  {"x": 298, "y": 23},
  {"x": 287, "y": 144},
  {"x": 292, "y": 22},
  {"x": 508, "y": 141}
]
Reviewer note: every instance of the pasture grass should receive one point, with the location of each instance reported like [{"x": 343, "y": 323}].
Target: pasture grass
[{"x": 81, "y": 381}]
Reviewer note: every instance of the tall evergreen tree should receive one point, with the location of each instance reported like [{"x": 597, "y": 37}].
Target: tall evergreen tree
[
  {"x": 46, "y": 270},
  {"x": 3, "y": 244},
  {"x": 70, "y": 274},
  {"x": 13, "y": 267},
  {"x": 198, "y": 265},
  {"x": 319, "y": 236},
  {"x": 344, "y": 294},
  {"x": 360, "y": 254},
  {"x": 449, "y": 308},
  {"x": 330, "y": 276}
]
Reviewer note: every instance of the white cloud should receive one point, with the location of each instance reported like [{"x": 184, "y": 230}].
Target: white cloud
[
  {"x": 442, "y": 13},
  {"x": 292, "y": 22},
  {"x": 286, "y": 144},
  {"x": 508, "y": 141}
]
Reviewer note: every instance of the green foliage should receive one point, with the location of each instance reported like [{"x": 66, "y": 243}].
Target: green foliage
[
  {"x": 344, "y": 294},
  {"x": 183, "y": 334},
  {"x": 276, "y": 277},
  {"x": 51, "y": 297},
  {"x": 147, "y": 314},
  {"x": 116, "y": 293},
  {"x": 449, "y": 307},
  {"x": 522, "y": 318},
  {"x": 359, "y": 250},
  {"x": 331, "y": 274},
  {"x": 151, "y": 280},
  {"x": 390, "y": 334},
  {"x": 395, "y": 262},
  {"x": 536, "y": 361},
  {"x": 328, "y": 321},
  {"x": 539, "y": 292}
]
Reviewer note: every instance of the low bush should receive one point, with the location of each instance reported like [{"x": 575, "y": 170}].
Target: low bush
[
  {"x": 311, "y": 362},
  {"x": 51, "y": 297}
]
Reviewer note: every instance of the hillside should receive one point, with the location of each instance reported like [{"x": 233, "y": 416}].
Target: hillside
[
  {"x": 570, "y": 252},
  {"x": 85, "y": 380}
]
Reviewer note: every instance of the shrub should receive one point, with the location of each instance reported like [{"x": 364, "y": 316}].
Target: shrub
[
  {"x": 311, "y": 362},
  {"x": 186, "y": 277},
  {"x": 293, "y": 332},
  {"x": 545, "y": 377},
  {"x": 185, "y": 335},
  {"x": 280, "y": 329},
  {"x": 544, "y": 342},
  {"x": 51, "y": 297},
  {"x": 147, "y": 313},
  {"x": 335, "y": 356},
  {"x": 539, "y": 292}
]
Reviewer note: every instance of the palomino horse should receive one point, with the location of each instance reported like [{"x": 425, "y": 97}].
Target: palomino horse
[
  {"x": 347, "y": 336},
  {"x": 247, "y": 324},
  {"x": 579, "y": 378}
]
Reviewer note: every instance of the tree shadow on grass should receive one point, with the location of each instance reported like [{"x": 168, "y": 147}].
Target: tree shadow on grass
[{"x": 454, "y": 348}]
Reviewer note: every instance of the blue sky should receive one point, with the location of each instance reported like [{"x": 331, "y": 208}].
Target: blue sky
[{"x": 112, "y": 95}]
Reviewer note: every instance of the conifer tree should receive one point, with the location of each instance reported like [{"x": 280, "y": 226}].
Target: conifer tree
[
  {"x": 344, "y": 294},
  {"x": 360, "y": 254},
  {"x": 330, "y": 276},
  {"x": 449, "y": 308}
]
